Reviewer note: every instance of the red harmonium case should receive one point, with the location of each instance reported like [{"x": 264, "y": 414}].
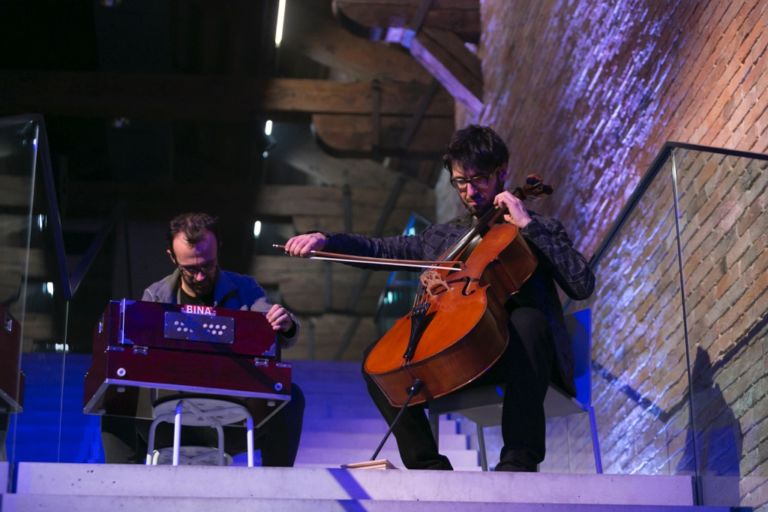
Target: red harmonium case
[
  {"x": 140, "y": 346},
  {"x": 11, "y": 378}
]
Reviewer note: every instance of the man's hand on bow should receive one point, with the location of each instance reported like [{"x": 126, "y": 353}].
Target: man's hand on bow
[{"x": 302, "y": 245}]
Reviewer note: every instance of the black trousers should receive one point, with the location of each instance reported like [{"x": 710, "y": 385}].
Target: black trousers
[
  {"x": 525, "y": 368},
  {"x": 125, "y": 439}
]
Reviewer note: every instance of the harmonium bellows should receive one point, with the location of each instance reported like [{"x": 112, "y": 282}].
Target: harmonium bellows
[{"x": 146, "y": 348}]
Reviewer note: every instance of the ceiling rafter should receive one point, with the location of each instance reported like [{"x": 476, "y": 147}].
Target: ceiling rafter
[
  {"x": 156, "y": 96},
  {"x": 434, "y": 31}
]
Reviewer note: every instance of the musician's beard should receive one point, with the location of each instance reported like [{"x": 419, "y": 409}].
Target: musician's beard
[
  {"x": 204, "y": 287},
  {"x": 477, "y": 205}
]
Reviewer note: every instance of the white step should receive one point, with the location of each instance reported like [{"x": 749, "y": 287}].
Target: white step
[
  {"x": 335, "y": 457},
  {"x": 310, "y": 439},
  {"x": 57, "y": 503},
  {"x": 347, "y": 425},
  {"x": 328, "y": 376},
  {"x": 3, "y": 477},
  {"x": 339, "y": 410},
  {"x": 332, "y": 397},
  {"x": 363, "y": 425},
  {"x": 339, "y": 484},
  {"x": 318, "y": 370},
  {"x": 343, "y": 386}
]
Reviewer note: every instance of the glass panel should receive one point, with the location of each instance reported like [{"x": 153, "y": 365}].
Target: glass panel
[
  {"x": 18, "y": 144},
  {"x": 724, "y": 230},
  {"x": 81, "y": 439},
  {"x": 641, "y": 387},
  {"x": 638, "y": 348},
  {"x": 52, "y": 426}
]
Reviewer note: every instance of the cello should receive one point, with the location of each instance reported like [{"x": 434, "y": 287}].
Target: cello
[{"x": 457, "y": 327}]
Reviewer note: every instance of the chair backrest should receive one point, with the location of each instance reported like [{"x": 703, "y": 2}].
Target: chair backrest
[{"x": 579, "y": 325}]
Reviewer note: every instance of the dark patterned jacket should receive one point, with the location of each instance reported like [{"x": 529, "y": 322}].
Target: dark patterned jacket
[{"x": 559, "y": 263}]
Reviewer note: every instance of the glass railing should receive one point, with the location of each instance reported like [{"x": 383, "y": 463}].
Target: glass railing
[
  {"x": 19, "y": 264},
  {"x": 49, "y": 291},
  {"x": 679, "y": 334}
]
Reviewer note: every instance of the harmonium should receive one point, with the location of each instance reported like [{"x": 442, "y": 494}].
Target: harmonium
[
  {"x": 145, "y": 351},
  {"x": 11, "y": 377}
]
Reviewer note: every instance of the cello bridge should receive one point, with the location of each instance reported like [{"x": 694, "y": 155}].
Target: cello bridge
[{"x": 433, "y": 283}]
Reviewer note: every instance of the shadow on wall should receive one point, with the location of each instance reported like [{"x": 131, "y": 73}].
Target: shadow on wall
[{"x": 718, "y": 436}]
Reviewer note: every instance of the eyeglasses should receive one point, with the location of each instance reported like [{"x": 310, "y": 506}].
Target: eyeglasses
[
  {"x": 478, "y": 181},
  {"x": 193, "y": 270}
]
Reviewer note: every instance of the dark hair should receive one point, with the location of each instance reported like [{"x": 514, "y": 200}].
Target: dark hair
[
  {"x": 194, "y": 226},
  {"x": 476, "y": 147}
]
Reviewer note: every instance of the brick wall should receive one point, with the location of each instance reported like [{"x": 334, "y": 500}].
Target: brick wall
[
  {"x": 586, "y": 93},
  {"x": 641, "y": 385}
]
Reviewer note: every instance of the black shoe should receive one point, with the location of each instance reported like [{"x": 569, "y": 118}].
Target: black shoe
[
  {"x": 441, "y": 465},
  {"x": 511, "y": 466}
]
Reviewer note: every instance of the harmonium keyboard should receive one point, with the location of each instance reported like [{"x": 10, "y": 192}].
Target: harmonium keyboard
[
  {"x": 145, "y": 351},
  {"x": 11, "y": 377}
]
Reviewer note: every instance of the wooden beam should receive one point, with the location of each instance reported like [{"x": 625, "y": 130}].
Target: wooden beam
[
  {"x": 168, "y": 97},
  {"x": 325, "y": 169},
  {"x": 143, "y": 201},
  {"x": 14, "y": 190},
  {"x": 13, "y": 227},
  {"x": 444, "y": 55},
  {"x": 327, "y": 330},
  {"x": 40, "y": 327},
  {"x": 326, "y": 203},
  {"x": 301, "y": 283},
  {"x": 14, "y": 260},
  {"x": 155, "y": 200},
  {"x": 335, "y": 224},
  {"x": 326, "y": 42},
  {"x": 376, "y": 16},
  {"x": 353, "y": 136},
  {"x": 439, "y": 47},
  {"x": 306, "y": 223},
  {"x": 291, "y": 200}
]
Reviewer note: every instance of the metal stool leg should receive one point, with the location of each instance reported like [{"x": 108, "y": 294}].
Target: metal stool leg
[
  {"x": 151, "y": 441},
  {"x": 209, "y": 414},
  {"x": 249, "y": 437},
  {"x": 220, "y": 446},
  {"x": 177, "y": 432}
]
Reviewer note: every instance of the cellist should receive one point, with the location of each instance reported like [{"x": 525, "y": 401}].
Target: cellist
[{"x": 538, "y": 349}]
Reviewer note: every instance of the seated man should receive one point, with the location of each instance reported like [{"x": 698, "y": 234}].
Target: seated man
[
  {"x": 193, "y": 247},
  {"x": 538, "y": 349}
]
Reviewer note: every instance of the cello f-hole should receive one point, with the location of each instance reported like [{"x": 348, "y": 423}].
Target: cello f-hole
[{"x": 467, "y": 282}]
